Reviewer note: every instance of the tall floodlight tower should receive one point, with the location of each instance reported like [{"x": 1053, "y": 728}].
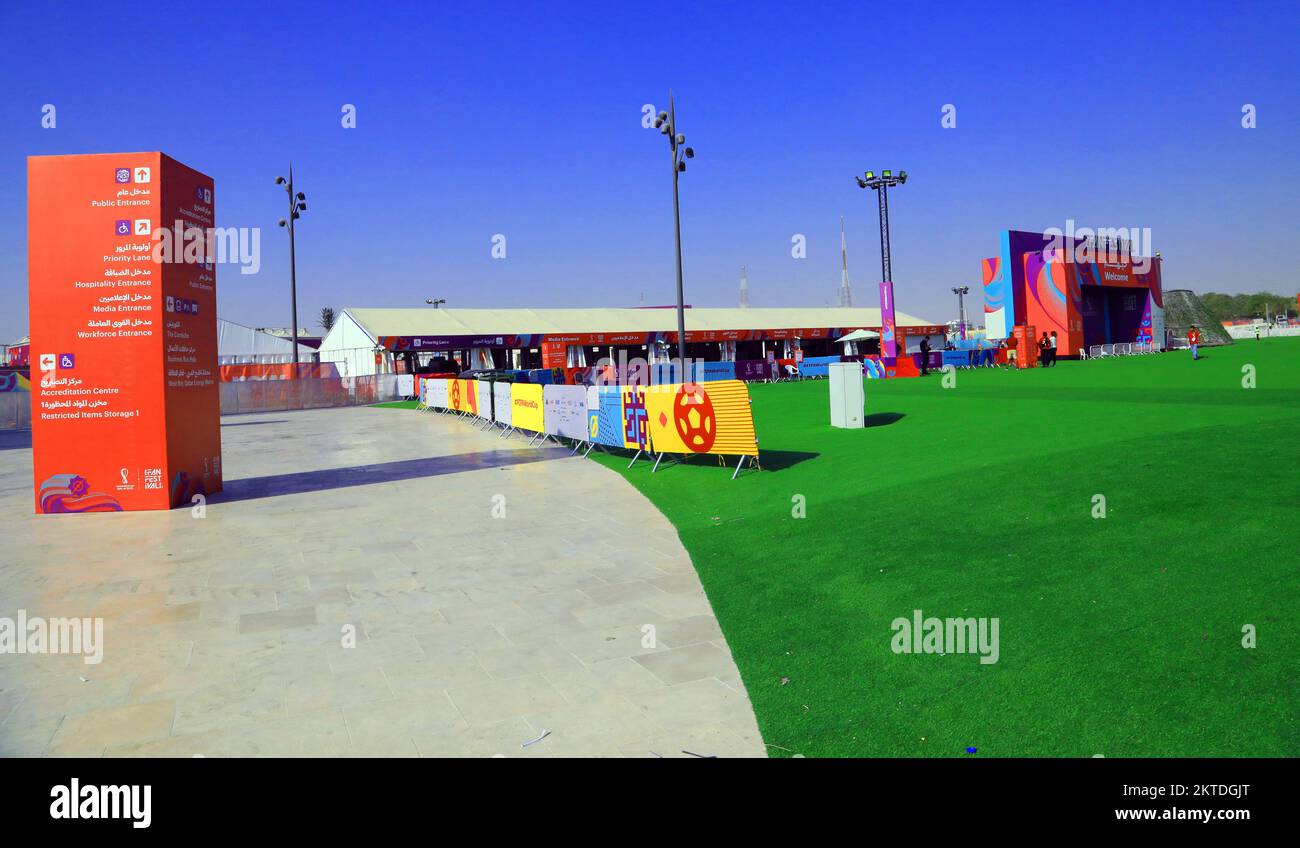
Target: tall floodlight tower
[
  {"x": 961, "y": 292},
  {"x": 666, "y": 123},
  {"x": 846, "y": 293},
  {"x": 744, "y": 287},
  {"x": 882, "y": 183}
]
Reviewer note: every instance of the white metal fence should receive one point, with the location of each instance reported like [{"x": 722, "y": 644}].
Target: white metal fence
[
  {"x": 253, "y": 396},
  {"x": 1120, "y": 349},
  {"x": 15, "y": 410},
  {"x": 310, "y": 393}
]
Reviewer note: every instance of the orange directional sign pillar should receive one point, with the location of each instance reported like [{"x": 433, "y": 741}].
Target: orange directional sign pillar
[{"x": 125, "y": 404}]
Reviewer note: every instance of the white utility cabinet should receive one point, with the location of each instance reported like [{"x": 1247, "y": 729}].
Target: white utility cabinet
[{"x": 848, "y": 398}]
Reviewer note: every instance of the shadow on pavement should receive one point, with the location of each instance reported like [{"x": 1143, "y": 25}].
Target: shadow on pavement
[
  {"x": 251, "y": 488},
  {"x": 15, "y": 439}
]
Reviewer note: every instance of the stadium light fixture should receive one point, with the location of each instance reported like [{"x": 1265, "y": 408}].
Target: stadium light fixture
[
  {"x": 666, "y": 123},
  {"x": 297, "y": 204},
  {"x": 882, "y": 184},
  {"x": 961, "y": 292}
]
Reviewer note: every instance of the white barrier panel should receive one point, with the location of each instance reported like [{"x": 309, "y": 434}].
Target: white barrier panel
[
  {"x": 406, "y": 385},
  {"x": 437, "y": 393},
  {"x": 485, "y": 400},
  {"x": 501, "y": 402},
  {"x": 565, "y": 411}
]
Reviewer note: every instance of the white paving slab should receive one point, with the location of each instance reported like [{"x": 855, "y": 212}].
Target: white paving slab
[{"x": 494, "y": 591}]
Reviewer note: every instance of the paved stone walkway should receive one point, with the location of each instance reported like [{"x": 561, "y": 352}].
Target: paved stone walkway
[{"x": 474, "y": 633}]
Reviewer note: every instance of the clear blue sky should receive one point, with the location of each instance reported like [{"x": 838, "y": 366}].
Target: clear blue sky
[{"x": 524, "y": 121}]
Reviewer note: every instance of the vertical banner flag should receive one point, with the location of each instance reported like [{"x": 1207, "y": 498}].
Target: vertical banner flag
[
  {"x": 122, "y": 311},
  {"x": 712, "y": 417},
  {"x": 888, "y": 342}
]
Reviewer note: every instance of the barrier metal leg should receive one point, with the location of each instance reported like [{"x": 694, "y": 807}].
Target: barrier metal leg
[
  {"x": 634, "y": 459},
  {"x": 590, "y": 445},
  {"x": 738, "y": 467},
  {"x": 657, "y": 461}
]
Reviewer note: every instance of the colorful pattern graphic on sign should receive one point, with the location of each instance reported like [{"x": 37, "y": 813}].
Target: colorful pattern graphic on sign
[
  {"x": 636, "y": 431},
  {"x": 610, "y": 417},
  {"x": 71, "y": 493},
  {"x": 593, "y": 414},
  {"x": 702, "y": 418},
  {"x": 888, "y": 338},
  {"x": 996, "y": 291},
  {"x": 463, "y": 395}
]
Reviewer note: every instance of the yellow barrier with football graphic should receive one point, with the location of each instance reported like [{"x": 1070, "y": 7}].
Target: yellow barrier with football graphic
[
  {"x": 462, "y": 395},
  {"x": 712, "y": 417}
]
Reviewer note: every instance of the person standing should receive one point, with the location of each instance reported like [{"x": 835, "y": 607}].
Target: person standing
[
  {"x": 1042, "y": 350},
  {"x": 1052, "y": 345},
  {"x": 925, "y": 356},
  {"x": 1194, "y": 341}
]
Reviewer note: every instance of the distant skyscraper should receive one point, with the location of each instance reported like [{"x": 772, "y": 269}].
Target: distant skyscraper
[
  {"x": 846, "y": 293},
  {"x": 744, "y": 287}
]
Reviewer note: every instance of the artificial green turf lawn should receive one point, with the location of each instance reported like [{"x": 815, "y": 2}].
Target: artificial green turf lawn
[
  {"x": 1119, "y": 636},
  {"x": 396, "y": 404}
]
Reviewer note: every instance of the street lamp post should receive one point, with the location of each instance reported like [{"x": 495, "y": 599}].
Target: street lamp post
[
  {"x": 961, "y": 292},
  {"x": 666, "y": 123},
  {"x": 882, "y": 183},
  {"x": 297, "y": 204}
]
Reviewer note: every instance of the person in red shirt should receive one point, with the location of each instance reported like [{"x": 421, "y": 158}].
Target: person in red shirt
[{"x": 1194, "y": 339}]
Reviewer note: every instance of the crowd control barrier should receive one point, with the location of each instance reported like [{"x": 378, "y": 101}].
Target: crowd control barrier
[{"x": 687, "y": 419}]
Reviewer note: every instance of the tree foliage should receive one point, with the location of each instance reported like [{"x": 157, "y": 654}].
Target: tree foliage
[{"x": 1241, "y": 307}]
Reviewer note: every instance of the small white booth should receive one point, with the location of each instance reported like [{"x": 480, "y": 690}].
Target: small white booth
[{"x": 848, "y": 397}]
